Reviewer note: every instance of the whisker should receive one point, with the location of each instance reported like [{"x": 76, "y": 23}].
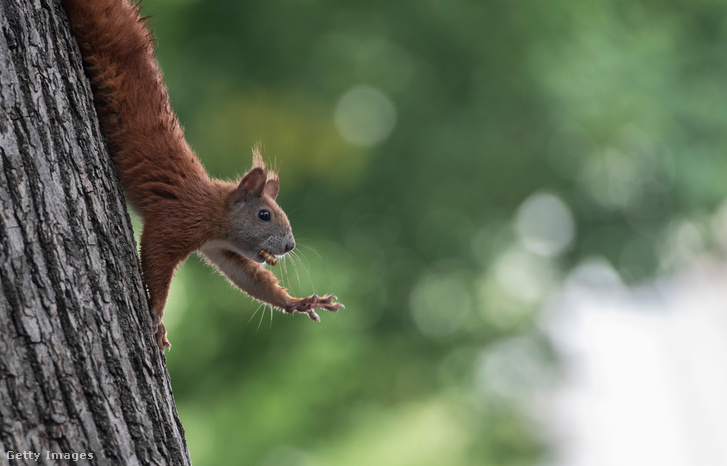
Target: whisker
[
  {"x": 261, "y": 319},
  {"x": 304, "y": 260},
  {"x": 307, "y": 270},
  {"x": 297, "y": 272},
  {"x": 310, "y": 230},
  {"x": 253, "y": 314},
  {"x": 284, "y": 263},
  {"x": 313, "y": 250},
  {"x": 304, "y": 263}
]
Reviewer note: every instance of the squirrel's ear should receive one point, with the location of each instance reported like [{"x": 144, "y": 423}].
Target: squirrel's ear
[
  {"x": 252, "y": 184},
  {"x": 271, "y": 188}
]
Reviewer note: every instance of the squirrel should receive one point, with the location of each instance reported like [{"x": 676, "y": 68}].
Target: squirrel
[{"x": 234, "y": 226}]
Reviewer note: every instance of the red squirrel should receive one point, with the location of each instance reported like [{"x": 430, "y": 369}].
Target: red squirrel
[{"x": 235, "y": 226}]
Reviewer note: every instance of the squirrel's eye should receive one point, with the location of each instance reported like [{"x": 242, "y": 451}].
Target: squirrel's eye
[{"x": 264, "y": 215}]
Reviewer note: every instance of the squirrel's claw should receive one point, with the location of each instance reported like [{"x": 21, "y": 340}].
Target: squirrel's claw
[
  {"x": 327, "y": 303},
  {"x": 160, "y": 334},
  {"x": 307, "y": 305}
]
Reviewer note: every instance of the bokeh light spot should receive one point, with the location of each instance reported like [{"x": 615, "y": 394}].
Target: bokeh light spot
[
  {"x": 365, "y": 116},
  {"x": 510, "y": 369},
  {"x": 596, "y": 273},
  {"x": 545, "y": 224},
  {"x": 524, "y": 276},
  {"x": 439, "y": 305}
]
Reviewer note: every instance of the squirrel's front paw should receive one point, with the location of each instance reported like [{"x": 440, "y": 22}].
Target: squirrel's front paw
[
  {"x": 160, "y": 333},
  {"x": 306, "y": 305}
]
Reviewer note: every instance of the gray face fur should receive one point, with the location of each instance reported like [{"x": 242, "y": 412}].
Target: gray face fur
[
  {"x": 257, "y": 220},
  {"x": 259, "y": 223}
]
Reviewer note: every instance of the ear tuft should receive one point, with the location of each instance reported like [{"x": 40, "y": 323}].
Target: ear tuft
[
  {"x": 257, "y": 158},
  {"x": 272, "y": 185}
]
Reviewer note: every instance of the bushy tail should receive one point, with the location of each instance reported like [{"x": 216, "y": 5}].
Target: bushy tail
[{"x": 143, "y": 134}]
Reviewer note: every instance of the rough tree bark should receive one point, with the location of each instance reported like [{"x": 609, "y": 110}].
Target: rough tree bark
[{"x": 80, "y": 371}]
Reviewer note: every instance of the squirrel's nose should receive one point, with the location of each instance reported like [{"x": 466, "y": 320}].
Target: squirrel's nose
[{"x": 290, "y": 246}]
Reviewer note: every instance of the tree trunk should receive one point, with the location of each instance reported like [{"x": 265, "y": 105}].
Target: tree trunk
[{"x": 80, "y": 371}]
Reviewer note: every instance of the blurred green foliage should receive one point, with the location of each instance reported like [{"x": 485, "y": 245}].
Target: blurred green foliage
[{"x": 614, "y": 111}]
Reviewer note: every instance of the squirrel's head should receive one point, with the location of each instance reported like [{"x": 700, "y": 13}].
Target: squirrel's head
[{"x": 256, "y": 220}]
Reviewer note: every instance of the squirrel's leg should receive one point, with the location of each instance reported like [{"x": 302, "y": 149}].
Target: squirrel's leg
[
  {"x": 263, "y": 285},
  {"x": 158, "y": 264}
]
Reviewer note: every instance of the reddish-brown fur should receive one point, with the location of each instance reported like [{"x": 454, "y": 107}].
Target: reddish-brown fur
[{"x": 181, "y": 206}]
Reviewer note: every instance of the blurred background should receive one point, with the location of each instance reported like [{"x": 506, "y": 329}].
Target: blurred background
[{"x": 521, "y": 206}]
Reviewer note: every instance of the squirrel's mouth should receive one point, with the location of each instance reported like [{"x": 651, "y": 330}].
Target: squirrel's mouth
[
  {"x": 260, "y": 257},
  {"x": 268, "y": 257}
]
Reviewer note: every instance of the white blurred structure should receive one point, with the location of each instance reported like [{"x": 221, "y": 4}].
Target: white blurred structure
[{"x": 645, "y": 369}]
